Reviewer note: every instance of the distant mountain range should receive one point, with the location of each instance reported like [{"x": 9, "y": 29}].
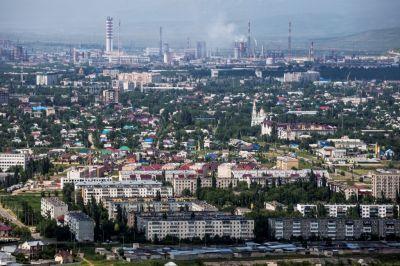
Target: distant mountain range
[{"x": 371, "y": 40}]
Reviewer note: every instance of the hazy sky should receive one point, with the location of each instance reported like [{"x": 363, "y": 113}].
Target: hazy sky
[{"x": 219, "y": 22}]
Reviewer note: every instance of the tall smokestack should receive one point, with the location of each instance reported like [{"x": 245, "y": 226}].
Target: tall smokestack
[
  {"x": 188, "y": 43},
  {"x": 290, "y": 42},
  {"x": 311, "y": 52},
  {"x": 161, "y": 43},
  {"x": 119, "y": 41},
  {"x": 109, "y": 34},
  {"x": 248, "y": 40}
]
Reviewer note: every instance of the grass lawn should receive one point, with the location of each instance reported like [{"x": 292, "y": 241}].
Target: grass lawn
[
  {"x": 14, "y": 201},
  {"x": 361, "y": 171}
]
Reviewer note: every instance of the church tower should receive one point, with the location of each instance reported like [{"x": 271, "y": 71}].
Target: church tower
[{"x": 257, "y": 117}]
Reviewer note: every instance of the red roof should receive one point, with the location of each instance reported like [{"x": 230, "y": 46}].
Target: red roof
[
  {"x": 185, "y": 167},
  {"x": 245, "y": 167},
  {"x": 152, "y": 167},
  {"x": 4, "y": 227}
]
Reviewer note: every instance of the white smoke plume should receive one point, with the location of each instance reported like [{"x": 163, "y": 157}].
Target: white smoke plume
[{"x": 222, "y": 33}]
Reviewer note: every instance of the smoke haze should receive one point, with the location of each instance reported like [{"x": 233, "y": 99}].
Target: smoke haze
[{"x": 219, "y": 22}]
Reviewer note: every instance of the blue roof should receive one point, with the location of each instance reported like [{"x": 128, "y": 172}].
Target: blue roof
[
  {"x": 211, "y": 156},
  {"x": 105, "y": 131},
  {"x": 39, "y": 108},
  {"x": 128, "y": 127},
  {"x": 352, "y": 245},
  {"x": 148, "y": 140}
]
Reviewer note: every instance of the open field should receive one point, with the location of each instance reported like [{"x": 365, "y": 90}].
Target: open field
[{"x": 14, "y": 202}]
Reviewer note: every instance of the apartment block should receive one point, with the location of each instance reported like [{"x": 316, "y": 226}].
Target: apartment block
[
  {"x": 385, "y": 183},
  {"x": 52, "y": 207},
  {"x": 333, "y": 228},
  {"x": 8, "y": 160},
  {"x": 340, "y": 210},
  {"x": 81, "y": 225},
  {"x": 134, "y": 206},
  {"x": 269, "y": 177},
  {"x": 286, "y": 163},
  {"x": 121, "y": 189},
  {"x": 188, "y": 225},
  {"x": 48, "y": 79}
]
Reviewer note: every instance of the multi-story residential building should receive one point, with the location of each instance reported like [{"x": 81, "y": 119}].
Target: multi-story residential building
[
  {"x": 347, "y": 143},
  {"x": 188, "y": 225},
  {"x": 225, "y": 170},
  {"x": 94, "y": 173},
  {"x": 286, "y": 163},
  {"x": 181, "y": 184},
  {"x": 85, "y": 171},
  {"x": 331, "y": 152},
  {"x": 8, "y": 160},
  {"x": 134, "y": 206},
  {"x": 155, "y": 173},
  {"x": 140, "y": 78},
  {"x": 385, "y": 183},
  {"x": 308, "y": 76},
  {"x": 190, "y": 184},
  {"x": 333, "y": 228},
  {"x": 81, "y": 225},
  {"x": 268, "y": 177},
  {"x": 293, "y": 131},
  {"x": 181, "y": 174},
  {"x": 4, "y": 96},
  {"x": 120, "y": 189},
  {"x": 73, "y": 180},
  {"x": 340, "y": 210},
  {"x": 140, "y": 175},
  {"x": 381, "y": 211},
  {"x": 110, "y": 96},
  {"x": 52, "y": 207},
  {"x": 48, "y": 79},
  {"x": 225, "y": 182}
]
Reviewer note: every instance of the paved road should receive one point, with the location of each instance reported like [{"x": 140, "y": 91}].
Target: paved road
[
  {"x": 87, "y": 261},
  {"x": 10, "y": 216}
]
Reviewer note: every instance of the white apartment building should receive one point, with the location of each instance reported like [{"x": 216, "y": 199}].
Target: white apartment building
[
  {"x": 266, "y": 177},
  {"x": 187, "y": 225},
  {"x": 73, "y": 180},
  {"x": 180, "y": 184},
  {"x": 121, "y": 189},
  {"x": 92, "y": 173},
  {"x": 140, "y": 174},
  {"x": 347, "y": 143},
  {"x": 340, "y": 210},
  {"x": 46, "y": 79},
  {"x": 308, "y": 76},
  {"x": 85, "y": 171},
  {"x": 386, "y": 183},
  {"x": 52, "y": 207},
  {"x": 225, "y": 170},
  {"x": 81, "y": 225},
  {"x": 140, "y": 78},
  {"x": 381, "y": 211},
  {"x": 8, "y": 160}
]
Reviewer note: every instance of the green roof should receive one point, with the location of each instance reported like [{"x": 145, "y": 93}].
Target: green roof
[{"x": 104, "y": 151}]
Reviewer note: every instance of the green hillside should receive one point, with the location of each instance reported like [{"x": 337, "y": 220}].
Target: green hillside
[{"x": 372, "y": 40}]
